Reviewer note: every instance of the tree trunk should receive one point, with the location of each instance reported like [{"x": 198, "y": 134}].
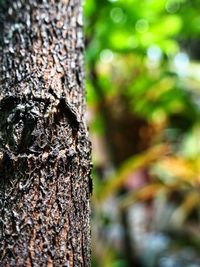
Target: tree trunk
[{"x": 44, "y": 147}]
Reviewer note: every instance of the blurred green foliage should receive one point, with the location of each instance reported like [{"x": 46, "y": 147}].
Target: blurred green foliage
[{"x": 142, "y": 64}]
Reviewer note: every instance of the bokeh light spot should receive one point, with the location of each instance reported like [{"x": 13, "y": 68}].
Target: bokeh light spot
[
  {"x": 142, "y": 26},
  {"x": 117, "y": 15},
  {"x": 172, "y": 6},
  {"x": 106, "y": 56}
]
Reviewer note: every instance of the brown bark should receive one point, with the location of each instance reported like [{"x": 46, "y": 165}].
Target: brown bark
[{"x": 44, "y": 147}]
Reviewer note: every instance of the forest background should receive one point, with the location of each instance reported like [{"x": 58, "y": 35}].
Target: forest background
[{"x": 143, "y": 94}]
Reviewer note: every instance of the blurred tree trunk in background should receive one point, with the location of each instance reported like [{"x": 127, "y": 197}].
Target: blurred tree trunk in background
[
  {"x": 44, "y": 147},
  {"x": 126, "y": 134}
]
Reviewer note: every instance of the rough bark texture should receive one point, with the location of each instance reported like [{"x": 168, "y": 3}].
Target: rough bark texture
[{"x": 44, "y": 147}]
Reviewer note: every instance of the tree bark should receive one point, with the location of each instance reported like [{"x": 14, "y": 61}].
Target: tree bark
[{"x": 44, "y": 146}]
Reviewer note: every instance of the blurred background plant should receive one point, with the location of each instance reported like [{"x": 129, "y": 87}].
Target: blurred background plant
[{"x": 143, "y": 94}]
